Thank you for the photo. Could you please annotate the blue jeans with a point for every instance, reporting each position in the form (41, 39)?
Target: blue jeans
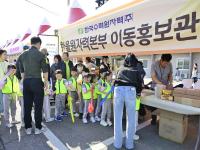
(1, 102)
(127, 95)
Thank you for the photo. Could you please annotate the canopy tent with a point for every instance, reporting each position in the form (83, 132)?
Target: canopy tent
(140, 26)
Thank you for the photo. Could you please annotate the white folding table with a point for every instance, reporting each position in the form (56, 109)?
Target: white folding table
(153, 101)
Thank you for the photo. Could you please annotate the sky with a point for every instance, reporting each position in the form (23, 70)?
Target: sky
(19, 15)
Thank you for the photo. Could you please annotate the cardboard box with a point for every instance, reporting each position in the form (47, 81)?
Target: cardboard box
(187, 101)
(173, 126)
(179, 91)
(187, 96)
(184, 91)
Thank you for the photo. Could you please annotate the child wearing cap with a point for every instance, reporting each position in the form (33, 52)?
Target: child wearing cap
(73, 87)
(87, 95)
(106, 107)
(10, 91)
(60, 92)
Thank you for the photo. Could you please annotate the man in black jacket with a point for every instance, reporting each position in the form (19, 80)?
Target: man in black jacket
(68, 65)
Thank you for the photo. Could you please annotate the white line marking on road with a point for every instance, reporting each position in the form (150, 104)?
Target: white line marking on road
(53, 140)
(104, 144)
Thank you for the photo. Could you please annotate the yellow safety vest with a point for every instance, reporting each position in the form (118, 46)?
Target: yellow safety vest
(67, 69)
(87, 96)
(60, 87)
(138, 103)
(20, 93)
(107, 89)
(74, 83)
(96, 92)
(11, 86)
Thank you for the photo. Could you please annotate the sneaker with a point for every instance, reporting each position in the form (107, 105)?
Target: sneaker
(39, 131)
(9, 125)
(97, 118)
(15, 122)
(103, 123)
(50, 120)
(58, 118)
(136, 137)
(28, 131)
(85, 120)
(76, 115)
(64, 114)
(109, 123)
(92, 120)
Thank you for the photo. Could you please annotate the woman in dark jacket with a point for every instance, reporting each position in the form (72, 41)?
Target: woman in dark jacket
(58, 64)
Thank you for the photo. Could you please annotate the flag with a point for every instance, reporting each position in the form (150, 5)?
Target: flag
(16, 40)
(26, 35)
(44, 26)
(75, 12)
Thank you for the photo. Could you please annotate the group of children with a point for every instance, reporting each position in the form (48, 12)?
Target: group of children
(84, 89)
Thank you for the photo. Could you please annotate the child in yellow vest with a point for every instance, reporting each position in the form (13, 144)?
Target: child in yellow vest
(106, 107)
(73, 91)
(60, 92)
(86, 94)
(10, 91)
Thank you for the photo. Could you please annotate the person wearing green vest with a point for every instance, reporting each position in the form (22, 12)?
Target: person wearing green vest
(87, 95)
(60, 92)
(68, 65)
(73, 91)
(100, 88)
(106, 107)
(10, 91)
(137, 108)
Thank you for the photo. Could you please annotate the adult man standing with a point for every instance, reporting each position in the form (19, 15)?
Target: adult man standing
(68, 65)
(105, 66)
(32, 62)
(161, 73)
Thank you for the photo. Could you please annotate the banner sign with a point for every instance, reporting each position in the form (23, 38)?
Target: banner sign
(145, 26)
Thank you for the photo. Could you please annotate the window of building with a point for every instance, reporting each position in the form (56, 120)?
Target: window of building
(183, 63)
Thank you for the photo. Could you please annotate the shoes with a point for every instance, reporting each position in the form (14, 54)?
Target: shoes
(85, 120)
(76, 115)
(39, 131)
(97, 118)
(103, 123)
(92, 120)
(109, 123)
(64, 114)
(28, 131)
(9, 125)
(136, 137)
(50, 120)
(58, 118)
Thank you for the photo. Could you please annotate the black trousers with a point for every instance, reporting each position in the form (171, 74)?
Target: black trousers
(33, 91)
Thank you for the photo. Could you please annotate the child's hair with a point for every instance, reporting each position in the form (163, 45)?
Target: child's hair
(58, 71)
(11, 66)
(108, 73)
(74, 69)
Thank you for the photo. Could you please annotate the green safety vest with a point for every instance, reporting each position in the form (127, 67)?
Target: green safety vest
(87, 96)
(96, 91)
(138, 103)
(60, 87)
(74, 83)
(107, 89)
(11, 86)
(20, 93)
